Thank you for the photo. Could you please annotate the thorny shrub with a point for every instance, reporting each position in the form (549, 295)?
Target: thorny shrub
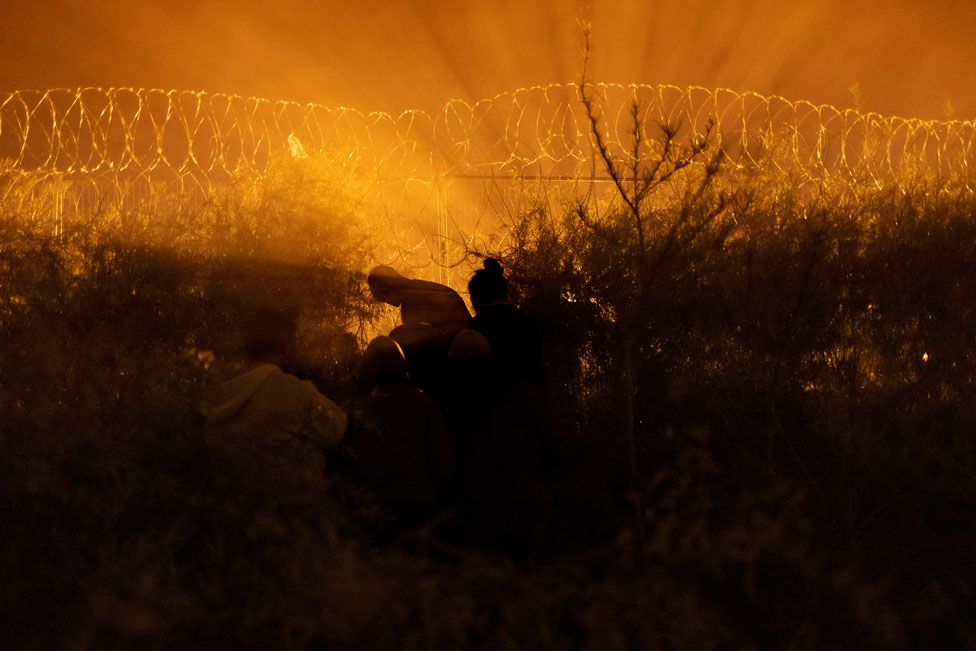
(804, 405)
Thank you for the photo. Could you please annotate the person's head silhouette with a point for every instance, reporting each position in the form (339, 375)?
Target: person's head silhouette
(383, 361)
(488, 285)
(269, 333)
(470, 345)
(384, 283)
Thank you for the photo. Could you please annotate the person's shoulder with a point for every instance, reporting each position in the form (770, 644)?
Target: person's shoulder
(405, 390)
(502, 312)
(520, 316)
(285, 381)
(405, 393)
(429, 286)
(277, 376)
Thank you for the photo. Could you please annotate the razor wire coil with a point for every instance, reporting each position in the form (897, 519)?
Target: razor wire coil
(541, 131)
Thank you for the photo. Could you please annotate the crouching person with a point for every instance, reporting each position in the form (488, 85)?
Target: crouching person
(398, 446)
(270, 428)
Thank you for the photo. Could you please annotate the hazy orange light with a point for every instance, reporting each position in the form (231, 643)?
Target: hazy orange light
(909, 58)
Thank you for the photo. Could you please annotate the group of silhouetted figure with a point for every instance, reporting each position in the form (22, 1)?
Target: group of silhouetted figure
(449, 423)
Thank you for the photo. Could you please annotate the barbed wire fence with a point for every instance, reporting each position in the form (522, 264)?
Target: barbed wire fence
(438, 179)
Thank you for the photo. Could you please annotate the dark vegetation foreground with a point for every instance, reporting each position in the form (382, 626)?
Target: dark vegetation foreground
(801, 378)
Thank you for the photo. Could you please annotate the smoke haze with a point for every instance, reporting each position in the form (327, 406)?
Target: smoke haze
(910, 59)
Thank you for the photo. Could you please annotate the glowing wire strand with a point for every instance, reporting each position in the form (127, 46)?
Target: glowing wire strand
(171, 132)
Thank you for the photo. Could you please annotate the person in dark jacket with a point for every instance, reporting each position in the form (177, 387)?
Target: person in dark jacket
(502, 433)
(398, 446)
(516, 345)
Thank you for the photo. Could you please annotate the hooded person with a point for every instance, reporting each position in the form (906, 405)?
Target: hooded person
(420, 301)
(514, 338)
(398, 446)
(431, 314)
(271, 427)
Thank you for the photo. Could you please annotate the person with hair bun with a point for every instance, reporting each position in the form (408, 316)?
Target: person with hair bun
(513, 335)
(502, 435)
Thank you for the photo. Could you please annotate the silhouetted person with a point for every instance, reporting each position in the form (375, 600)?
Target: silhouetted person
(501, 433)
(271, 427)
(516, 345)
(432, 314)
(420, 301)
(398, 446)
(425, 349)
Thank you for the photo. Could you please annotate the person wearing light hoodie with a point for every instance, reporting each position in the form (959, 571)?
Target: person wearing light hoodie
(269, 426)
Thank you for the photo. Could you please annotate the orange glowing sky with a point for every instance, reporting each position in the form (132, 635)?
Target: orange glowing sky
(908, 58)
